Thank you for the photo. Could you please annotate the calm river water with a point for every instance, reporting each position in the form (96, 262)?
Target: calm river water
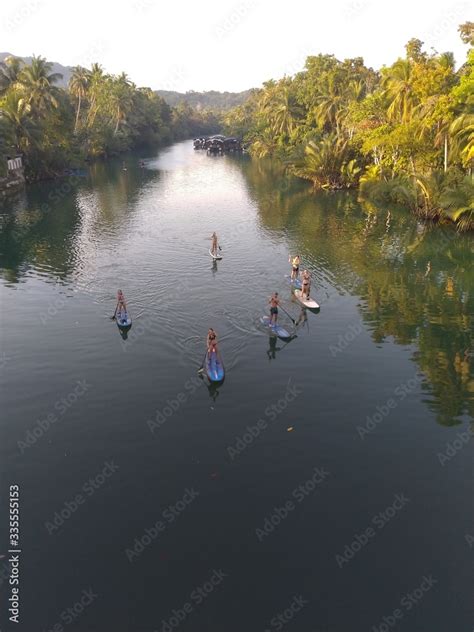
(325, 486)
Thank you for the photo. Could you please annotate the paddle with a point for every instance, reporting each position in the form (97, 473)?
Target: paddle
(292, 319)
(113, 317)
(201, 368)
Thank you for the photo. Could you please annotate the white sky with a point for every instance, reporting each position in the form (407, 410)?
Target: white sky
(224, 44)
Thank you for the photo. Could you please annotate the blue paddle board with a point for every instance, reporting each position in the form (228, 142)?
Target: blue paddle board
(214, 367)
(276, 329)
(123, 319)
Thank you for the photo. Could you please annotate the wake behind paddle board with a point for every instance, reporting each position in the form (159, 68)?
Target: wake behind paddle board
(217, 257)
(214, 367)
(276, 329)
(309, 303)
(123, 320)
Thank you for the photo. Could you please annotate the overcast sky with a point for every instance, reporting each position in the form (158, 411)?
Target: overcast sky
(224, 44)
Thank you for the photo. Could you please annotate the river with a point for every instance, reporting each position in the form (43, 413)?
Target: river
(325, 486)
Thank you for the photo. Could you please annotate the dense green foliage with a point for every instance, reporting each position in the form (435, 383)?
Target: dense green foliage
(404, 133)
(97, 115)
(210, 99)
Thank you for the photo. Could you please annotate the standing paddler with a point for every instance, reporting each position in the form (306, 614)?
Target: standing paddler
(295, 266)
(214, 244)
(274, 303)
(305, 285)
(121, 305)
(211, 341)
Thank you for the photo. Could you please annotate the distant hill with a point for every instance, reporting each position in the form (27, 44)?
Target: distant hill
(66, 71)
(200, 100)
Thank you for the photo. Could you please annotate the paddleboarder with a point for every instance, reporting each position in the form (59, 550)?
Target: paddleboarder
(274, 303)
(214, 243)
(211, 340)
(121, 305)
(295, 266)
(305, 285)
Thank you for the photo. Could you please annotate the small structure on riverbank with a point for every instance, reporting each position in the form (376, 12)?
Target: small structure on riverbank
(13, 177)
(218, 144)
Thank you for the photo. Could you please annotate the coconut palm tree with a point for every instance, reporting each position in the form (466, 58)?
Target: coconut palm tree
(329, 104)
(37, 84)
(10, 70)
(121, 99)
(397, 83)
(17, 124)
(264, 143)
(284, 113)
(462, 132)
(433, 118)
(79, 86)
(97, 80)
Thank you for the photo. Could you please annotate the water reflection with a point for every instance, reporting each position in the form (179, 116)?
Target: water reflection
(414, 280)
(276, 345)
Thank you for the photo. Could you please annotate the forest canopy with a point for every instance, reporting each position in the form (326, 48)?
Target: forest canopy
(96, 115)
(404, 133)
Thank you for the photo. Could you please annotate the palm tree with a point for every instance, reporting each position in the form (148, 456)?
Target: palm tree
(263, 143)
(78, 86)
(458, 204)
(37, 83)
(10, 70)
(397, 82)
(462, 131)
(17, 124)
(121, 99)
(325, 163)
(433, 119)
(96, 83)
(329, 103)
(284, 112)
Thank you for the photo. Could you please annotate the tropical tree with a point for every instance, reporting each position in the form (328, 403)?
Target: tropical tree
(10, 70)
(462, 130)
(284, 112)
(466, 31)
(327, 164)
(79, 85)
(97, 79)
(458, 204)
(398, 86)
(37, 84)
(121, 99)
(17, 123)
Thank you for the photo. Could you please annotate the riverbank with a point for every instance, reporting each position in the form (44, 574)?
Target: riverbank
(12, 184)
(97, 115)
(400, 134)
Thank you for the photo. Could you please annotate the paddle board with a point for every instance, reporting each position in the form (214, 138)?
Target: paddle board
(123, 319)
(214, 367)
(309, 303)
(215, 257)
(276, 329)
